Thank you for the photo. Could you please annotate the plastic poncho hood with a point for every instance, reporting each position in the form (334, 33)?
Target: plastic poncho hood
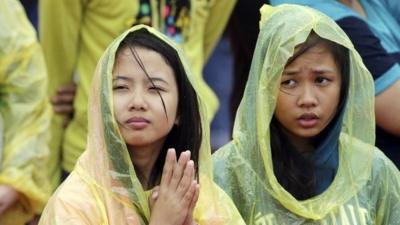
(106, 170)
(244, 168)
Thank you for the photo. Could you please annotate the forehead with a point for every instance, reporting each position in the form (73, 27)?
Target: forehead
(127, 55)
(317, 53)
(153, 62)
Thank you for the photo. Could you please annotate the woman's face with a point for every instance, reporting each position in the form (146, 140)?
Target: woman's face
(309, 93)
(138, 107)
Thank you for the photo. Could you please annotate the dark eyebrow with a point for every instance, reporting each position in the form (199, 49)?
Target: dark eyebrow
(153, 79)
(323, 70)
(158, 79)
(317, 70)
(121, 77)
(290, 72)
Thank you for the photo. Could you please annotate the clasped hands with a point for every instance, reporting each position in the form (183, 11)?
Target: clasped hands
(173, 201)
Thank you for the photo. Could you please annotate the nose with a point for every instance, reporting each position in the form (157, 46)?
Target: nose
(138, 102)
(308, 97)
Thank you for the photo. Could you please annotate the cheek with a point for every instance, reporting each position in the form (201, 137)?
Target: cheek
(283, 104)
(172, 110)
(335, 99)
(118, 104)
(282, 108)
(171, 105)
(331, 102)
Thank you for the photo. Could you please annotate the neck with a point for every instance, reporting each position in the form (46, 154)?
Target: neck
(143, 159)
(303, 145)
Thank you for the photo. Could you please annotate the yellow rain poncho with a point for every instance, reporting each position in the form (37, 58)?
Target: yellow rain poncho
(24, 114)
(103, 188)
(366, 188)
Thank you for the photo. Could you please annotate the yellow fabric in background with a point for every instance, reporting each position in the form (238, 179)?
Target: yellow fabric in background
(103, 188)
(25, 114)
(74, 34)
(366, 189)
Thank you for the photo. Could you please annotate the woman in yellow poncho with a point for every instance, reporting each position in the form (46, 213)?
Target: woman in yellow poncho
(143, 102)
(303, 142)
(24, 118)
(74, 34)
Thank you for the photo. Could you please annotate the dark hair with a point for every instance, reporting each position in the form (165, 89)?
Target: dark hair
(188, 134)
(293, 171)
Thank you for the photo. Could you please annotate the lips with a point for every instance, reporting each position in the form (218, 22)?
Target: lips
(137, 123)
(308, 120)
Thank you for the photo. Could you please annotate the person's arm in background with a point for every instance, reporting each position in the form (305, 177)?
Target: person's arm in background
(59, 25)
(220, 11)
(25, 111)
(385, 99)
(385, 69)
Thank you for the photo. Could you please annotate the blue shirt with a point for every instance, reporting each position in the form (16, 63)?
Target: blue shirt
(376, 38)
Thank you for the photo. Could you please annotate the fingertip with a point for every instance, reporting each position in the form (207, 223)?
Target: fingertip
(154, 195)
(190, 163)
(185, 155)
(171, 154)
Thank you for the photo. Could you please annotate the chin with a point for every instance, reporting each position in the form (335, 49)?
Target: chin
(308, 133)
(137, 141)
(134, 140)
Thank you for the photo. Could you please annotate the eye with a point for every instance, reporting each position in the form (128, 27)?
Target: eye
(322, 81)
(120, 87)
(290, 83)
(156, 88)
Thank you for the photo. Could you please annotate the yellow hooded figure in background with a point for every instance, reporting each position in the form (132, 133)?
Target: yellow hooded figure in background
(111, 183)
(24, 118)
(267, 168)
